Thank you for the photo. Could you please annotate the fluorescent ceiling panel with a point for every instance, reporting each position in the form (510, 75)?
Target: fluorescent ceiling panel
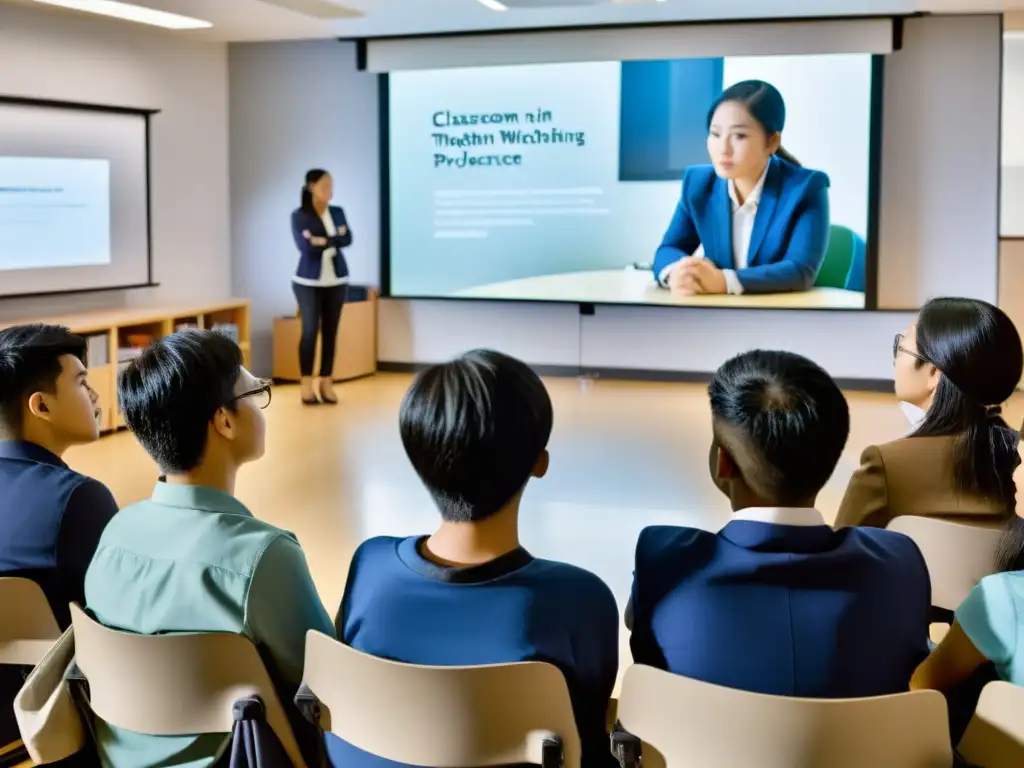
(129, 12)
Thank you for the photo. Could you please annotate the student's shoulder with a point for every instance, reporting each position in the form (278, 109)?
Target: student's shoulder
(659, 542)
(887, 549)
(89, 496)
(571, 589)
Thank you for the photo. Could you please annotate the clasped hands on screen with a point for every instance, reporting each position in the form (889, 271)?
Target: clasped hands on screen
(695, 275)
(321, 242)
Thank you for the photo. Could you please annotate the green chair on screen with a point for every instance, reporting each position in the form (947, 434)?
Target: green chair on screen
(843, 266)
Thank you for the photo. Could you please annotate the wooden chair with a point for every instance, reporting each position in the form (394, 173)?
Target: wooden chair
(174, 684)
(995, 736)
(28, 630)
(683, 722)
(441, 717)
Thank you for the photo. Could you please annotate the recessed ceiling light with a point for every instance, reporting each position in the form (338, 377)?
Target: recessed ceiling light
(494, 5)
(129, 12)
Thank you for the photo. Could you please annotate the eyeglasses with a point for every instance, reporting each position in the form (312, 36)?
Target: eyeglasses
(261, 396)
(897, 347)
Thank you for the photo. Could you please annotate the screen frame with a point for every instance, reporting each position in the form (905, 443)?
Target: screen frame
(876, 102)
(142, 112)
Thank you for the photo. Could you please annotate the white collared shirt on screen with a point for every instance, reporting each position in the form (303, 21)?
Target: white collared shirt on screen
(742, 228)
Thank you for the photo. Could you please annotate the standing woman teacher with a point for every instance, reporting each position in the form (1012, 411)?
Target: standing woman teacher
(754, 221)
(320, 282)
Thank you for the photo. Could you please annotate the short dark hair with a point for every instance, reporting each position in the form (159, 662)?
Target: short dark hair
(30, 362)
(783, 419)
(474, 429)
(170, 393)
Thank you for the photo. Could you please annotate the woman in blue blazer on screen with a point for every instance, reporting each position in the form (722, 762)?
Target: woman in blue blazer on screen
(320, 281)
(754, 221)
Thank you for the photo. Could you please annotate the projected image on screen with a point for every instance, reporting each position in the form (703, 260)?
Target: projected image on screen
(54, 212)
(605, 182)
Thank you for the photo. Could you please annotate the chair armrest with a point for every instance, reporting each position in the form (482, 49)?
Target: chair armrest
(626, 748)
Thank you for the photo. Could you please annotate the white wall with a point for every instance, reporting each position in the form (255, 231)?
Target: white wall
(296, 106)
(1012, 214)
(63, 56)
(938, 212)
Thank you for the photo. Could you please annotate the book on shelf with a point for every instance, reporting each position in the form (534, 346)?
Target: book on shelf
(96, 350)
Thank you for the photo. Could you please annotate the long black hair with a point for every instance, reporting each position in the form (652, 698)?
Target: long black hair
(978, 351)
(764, 103)
(1010, 553)
(312, 177)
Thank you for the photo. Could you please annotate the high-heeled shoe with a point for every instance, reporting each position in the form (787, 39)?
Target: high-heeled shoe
(332, 400)
(311, 400)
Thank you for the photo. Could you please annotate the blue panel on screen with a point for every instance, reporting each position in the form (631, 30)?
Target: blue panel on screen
(663, 117)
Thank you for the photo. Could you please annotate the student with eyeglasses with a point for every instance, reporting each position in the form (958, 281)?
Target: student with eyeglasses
(954, 367)
(193, 558)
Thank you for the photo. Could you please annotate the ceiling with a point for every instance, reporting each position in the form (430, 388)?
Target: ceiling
(250, 20)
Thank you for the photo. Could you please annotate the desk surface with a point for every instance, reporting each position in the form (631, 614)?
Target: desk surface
(624, 286)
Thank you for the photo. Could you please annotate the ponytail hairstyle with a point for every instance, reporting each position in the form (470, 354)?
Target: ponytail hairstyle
(977, 349)
(764, 103)
(312, 177)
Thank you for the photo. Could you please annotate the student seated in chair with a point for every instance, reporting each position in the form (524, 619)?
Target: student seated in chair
(193, 558)
(51, 517)
(476, 430)
(986, 640)
(777, 602)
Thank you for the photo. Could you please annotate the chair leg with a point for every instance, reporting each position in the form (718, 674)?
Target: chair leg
(626, 747)
(551, 754)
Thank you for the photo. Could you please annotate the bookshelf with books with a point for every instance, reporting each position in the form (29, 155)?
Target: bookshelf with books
(114, 337)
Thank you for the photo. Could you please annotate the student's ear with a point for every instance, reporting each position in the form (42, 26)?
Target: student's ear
(774, 143)
(934, 376)
(37, 406)
(224, 423)
(540, 468)
(726, 468)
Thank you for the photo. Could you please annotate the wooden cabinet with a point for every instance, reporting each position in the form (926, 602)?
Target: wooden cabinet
(114, 336)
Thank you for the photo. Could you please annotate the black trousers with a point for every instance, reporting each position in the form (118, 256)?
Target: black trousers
(320, 310)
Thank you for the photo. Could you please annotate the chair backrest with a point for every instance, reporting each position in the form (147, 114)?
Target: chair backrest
(443, 717)
(995, 736)
(684, 722)
(175, 684)
(958, 556)
(838, 255)
(27, 627)
(856, 277)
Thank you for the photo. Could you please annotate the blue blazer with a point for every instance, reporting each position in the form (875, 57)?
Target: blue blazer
(311, 256)
(782, 609)
(791, 227)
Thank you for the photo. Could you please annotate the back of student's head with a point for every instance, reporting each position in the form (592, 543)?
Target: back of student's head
(34, 359)
(475, 430)
(182, 391)
(977, 349)
(782, 420)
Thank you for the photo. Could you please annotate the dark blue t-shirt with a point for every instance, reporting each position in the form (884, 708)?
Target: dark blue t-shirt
(51, 519)
(399, 605)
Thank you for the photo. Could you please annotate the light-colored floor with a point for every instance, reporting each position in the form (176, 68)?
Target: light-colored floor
(623, 455)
